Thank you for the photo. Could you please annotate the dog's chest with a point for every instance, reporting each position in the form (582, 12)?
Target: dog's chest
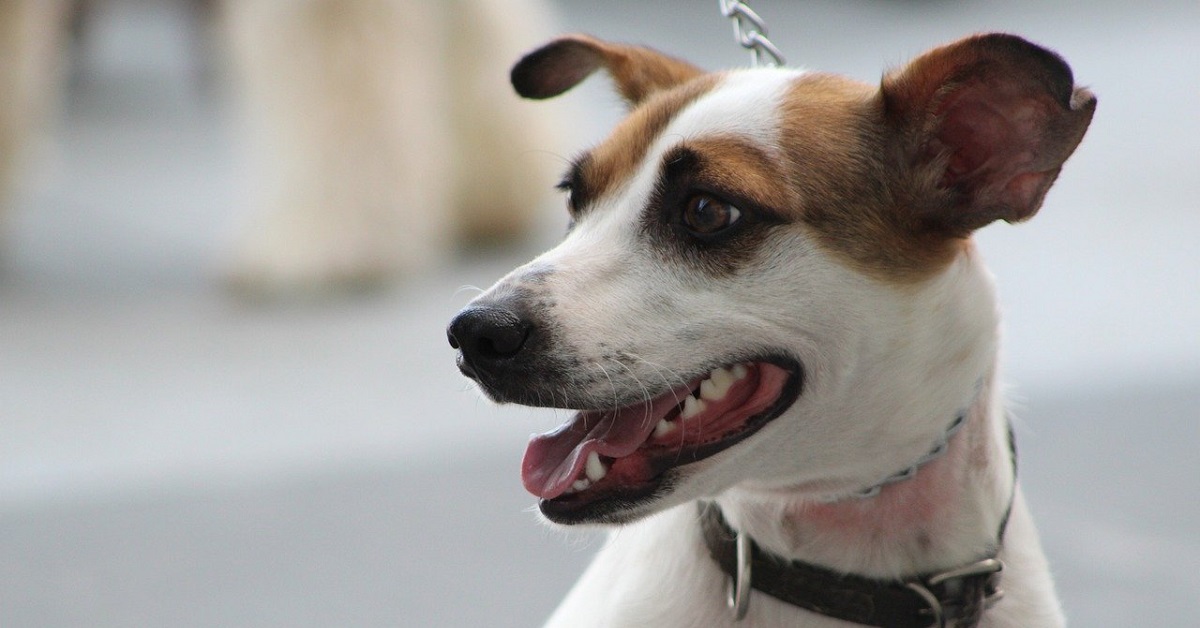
(652, 573)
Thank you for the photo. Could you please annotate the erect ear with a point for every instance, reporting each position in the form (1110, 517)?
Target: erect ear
(984, 126)
(566, 61)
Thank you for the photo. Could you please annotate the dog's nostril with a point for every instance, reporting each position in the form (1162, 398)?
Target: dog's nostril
(504, 341)
(452, 339)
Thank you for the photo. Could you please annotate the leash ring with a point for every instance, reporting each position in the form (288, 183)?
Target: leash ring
(935, 606)
(738, 598)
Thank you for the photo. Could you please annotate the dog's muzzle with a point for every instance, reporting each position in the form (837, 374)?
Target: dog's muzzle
(624, 445)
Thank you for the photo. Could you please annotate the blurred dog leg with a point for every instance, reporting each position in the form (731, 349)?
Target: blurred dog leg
(508, 155)
(350, 128)
(32, 41)
(386, 134)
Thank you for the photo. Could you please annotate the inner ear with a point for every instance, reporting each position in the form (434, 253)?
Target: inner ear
(565, 62)
(991, 139)
(985, 125)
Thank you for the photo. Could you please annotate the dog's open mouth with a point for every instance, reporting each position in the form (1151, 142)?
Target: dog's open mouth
(624, 454)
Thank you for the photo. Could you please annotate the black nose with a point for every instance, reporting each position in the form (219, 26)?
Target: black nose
(487, 336)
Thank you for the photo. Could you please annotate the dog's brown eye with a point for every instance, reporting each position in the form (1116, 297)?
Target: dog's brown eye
(705, 215)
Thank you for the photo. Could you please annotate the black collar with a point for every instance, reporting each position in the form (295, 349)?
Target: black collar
(953, 597)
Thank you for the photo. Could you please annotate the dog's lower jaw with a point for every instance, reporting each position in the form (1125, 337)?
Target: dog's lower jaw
(659, 572)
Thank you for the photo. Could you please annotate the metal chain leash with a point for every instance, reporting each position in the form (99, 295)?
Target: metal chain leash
(751, 33)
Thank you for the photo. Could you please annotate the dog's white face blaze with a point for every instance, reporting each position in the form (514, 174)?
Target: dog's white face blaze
(634, 318)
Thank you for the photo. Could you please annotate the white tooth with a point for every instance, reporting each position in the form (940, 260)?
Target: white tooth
(663, 428)
(691, 407)
(717, 385)
(739, 371)
(708, 390)
(580, 485)
(594, 469)
(722, 377)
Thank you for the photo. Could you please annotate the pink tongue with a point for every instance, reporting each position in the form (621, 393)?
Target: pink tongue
(553, 460)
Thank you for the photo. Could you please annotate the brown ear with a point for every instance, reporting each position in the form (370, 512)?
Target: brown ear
(985, 125)
(566, 61)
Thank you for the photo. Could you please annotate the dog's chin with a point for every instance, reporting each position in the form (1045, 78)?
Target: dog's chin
(615, 506)
(646, 470)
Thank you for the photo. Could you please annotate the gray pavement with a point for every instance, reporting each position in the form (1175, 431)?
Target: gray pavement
(172, 457)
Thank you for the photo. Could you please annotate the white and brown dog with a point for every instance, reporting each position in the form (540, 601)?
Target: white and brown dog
(769, 304)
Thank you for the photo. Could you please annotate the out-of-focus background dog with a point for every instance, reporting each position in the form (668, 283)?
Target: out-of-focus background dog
(381, 135)
(171, 456)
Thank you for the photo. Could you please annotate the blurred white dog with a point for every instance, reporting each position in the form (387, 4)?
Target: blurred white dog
(383, 132)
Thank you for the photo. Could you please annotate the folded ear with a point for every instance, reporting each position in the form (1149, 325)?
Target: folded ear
(566, 61)
(984, 125)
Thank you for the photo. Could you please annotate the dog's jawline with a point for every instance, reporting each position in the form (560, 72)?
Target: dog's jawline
(626, 505)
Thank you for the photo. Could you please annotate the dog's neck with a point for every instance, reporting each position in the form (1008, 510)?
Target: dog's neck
(947, 515)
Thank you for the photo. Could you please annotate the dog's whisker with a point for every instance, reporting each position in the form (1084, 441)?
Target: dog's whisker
(563, 160)
(647, 396)
(674, 386)
(465, 288)
(676, 379)
(611, 383)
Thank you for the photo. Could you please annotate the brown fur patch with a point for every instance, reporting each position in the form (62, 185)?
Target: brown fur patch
(614, 161)
(845, 174)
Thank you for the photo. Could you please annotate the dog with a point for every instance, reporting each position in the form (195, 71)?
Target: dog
(781, 341)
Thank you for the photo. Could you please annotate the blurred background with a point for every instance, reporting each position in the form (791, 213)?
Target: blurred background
(197, 433)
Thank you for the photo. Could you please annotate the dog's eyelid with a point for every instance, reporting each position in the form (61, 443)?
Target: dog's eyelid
(573, 184)
(567, 187)
(677, 163)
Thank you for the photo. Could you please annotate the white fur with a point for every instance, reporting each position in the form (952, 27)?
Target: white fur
(753, 94)
(887, 367)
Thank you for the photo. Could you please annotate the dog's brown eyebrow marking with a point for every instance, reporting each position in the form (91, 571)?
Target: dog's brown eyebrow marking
(737, 168)
(601, 170)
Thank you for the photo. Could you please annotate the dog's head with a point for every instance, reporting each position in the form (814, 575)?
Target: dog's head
(768, 276)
